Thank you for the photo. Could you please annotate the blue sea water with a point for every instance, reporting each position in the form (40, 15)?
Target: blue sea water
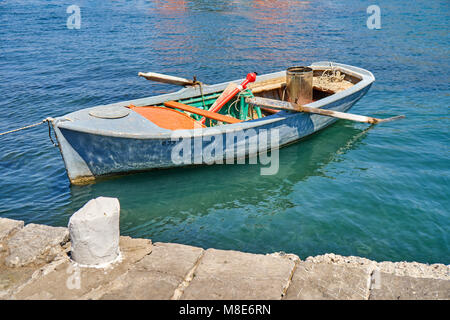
(379, 192)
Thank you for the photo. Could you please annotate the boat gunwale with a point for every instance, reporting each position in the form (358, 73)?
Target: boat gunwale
(365, 76)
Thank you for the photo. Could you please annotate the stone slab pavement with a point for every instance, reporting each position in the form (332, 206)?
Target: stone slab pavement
(9, 226)
(34, 242)
(229, 275)
(66, 280)
(35, 264)
(313, 281)
(157, 276)
(392, 287)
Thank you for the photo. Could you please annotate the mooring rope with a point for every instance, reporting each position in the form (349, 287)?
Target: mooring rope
(29, 126)
(203, 98)
(50, 131)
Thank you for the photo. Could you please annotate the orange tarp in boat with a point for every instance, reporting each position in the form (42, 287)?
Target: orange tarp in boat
(167, 118)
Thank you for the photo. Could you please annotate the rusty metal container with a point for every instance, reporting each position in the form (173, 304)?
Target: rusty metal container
(299, 84)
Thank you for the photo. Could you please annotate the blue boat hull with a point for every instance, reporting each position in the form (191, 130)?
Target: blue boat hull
(91, 153)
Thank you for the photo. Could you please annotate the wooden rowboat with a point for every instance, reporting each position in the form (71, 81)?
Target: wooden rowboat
(142, 134)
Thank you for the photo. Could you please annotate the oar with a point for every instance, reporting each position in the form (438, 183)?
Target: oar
(251, 77)
(164, 78)
(222, 96)
(284, 105)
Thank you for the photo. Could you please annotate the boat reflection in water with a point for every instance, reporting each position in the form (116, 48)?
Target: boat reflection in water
(155, 202)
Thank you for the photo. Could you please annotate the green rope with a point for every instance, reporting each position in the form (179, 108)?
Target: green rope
(248, 94)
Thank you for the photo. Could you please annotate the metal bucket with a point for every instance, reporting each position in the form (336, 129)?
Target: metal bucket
(299, 84)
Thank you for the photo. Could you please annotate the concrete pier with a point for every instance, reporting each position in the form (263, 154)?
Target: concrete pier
(34, 264)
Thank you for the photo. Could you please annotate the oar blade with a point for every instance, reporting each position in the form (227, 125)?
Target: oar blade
(391, 119)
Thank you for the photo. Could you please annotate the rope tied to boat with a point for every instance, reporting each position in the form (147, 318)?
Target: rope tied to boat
(47, 120)
(201, 91)
(28, 126)
(332, 79)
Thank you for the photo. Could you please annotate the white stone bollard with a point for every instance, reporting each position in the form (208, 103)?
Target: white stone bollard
(94, 232)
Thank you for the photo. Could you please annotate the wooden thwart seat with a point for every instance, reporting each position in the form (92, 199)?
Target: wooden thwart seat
(201, 112)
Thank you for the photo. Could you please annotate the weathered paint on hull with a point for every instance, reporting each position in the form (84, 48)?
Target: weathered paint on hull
(93, 147)
(106, 155)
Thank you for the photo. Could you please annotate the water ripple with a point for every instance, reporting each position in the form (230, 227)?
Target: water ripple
(381, 193)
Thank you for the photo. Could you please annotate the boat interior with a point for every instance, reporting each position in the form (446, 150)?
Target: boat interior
(193, 112)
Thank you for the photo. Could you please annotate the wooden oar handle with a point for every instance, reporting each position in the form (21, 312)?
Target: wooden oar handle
(285, 105)
(164, 78)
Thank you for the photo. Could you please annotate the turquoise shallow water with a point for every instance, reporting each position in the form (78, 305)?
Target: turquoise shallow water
(380, 192)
